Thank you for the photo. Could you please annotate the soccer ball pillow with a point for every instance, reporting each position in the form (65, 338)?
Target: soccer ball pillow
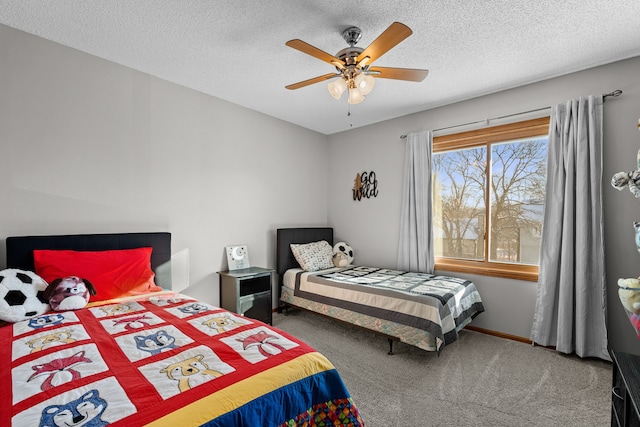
(21, 295)
(342, 254)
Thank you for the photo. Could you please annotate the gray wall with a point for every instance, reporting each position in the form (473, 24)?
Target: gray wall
(371, 226)
(89, 146)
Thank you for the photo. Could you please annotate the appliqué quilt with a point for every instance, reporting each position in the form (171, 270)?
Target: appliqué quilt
(164, 360)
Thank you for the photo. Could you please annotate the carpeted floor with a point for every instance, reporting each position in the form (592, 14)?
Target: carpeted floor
(479, 380)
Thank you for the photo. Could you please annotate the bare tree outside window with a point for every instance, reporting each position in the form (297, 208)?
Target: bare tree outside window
(518, 177)
(515, 195)
(459, 203)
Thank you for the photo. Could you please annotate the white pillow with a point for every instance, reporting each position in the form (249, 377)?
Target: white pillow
(313, 256)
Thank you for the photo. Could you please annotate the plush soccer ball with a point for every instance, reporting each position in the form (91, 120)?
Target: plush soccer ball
(342, 254)
(21, 295)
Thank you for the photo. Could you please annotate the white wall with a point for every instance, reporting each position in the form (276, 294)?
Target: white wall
(89, 146)
(371, 226)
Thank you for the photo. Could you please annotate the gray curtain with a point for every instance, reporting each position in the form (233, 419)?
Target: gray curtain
(415, 250)
(571, 303)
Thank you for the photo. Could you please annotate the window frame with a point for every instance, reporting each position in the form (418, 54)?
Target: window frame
(484, 138)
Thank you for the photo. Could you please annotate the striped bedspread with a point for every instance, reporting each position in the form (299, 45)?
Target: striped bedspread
(436, 304)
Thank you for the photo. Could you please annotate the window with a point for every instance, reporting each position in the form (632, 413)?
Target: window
(488, 220)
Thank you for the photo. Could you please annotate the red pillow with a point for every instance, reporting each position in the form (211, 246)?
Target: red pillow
(114, 273)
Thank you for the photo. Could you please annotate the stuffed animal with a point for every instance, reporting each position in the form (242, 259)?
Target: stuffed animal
(342, 254)
(69, 293)
(632, 179)
(629, 293)
(21, 295)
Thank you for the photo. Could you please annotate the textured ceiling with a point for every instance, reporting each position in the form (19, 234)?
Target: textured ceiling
(235, 50)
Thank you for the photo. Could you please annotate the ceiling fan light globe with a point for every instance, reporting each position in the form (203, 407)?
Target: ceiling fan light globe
(337, 87)
(365, 83)
(355, 96)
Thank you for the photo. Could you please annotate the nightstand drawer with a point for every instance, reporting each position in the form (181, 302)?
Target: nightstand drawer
(254, 285)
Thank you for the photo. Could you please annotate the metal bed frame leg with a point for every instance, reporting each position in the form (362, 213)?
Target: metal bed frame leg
(284, 308)
(390, 346)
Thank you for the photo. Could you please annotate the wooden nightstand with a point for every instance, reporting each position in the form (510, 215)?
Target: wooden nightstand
(247, 292)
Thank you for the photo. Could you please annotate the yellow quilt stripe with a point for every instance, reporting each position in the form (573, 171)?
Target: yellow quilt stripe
(236, 395)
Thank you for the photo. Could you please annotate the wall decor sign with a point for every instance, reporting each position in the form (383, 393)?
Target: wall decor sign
(365, 185)
(238, 257)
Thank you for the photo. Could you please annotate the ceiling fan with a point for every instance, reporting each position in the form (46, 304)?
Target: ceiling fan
(353, 64)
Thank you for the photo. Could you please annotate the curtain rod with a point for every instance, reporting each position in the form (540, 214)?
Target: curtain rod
(615, 93)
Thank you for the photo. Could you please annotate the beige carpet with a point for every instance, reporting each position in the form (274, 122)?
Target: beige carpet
(479, 380)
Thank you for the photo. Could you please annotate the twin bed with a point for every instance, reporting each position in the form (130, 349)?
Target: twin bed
(423, 310)
(157, 358)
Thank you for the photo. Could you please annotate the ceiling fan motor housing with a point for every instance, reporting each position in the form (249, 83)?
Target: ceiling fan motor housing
(349, 55)
(351, 67)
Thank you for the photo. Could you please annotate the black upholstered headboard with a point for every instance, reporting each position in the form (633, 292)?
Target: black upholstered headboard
(285, 236)
(20, 249)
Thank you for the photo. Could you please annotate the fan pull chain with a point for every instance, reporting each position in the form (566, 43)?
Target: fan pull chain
(349, 116)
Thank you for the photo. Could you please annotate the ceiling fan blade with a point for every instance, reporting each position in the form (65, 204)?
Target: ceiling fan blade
(411, 74)
(305, 47)
(312, 81)
(385, 41)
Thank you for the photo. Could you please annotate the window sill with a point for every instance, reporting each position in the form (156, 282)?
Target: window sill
(508, 271)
